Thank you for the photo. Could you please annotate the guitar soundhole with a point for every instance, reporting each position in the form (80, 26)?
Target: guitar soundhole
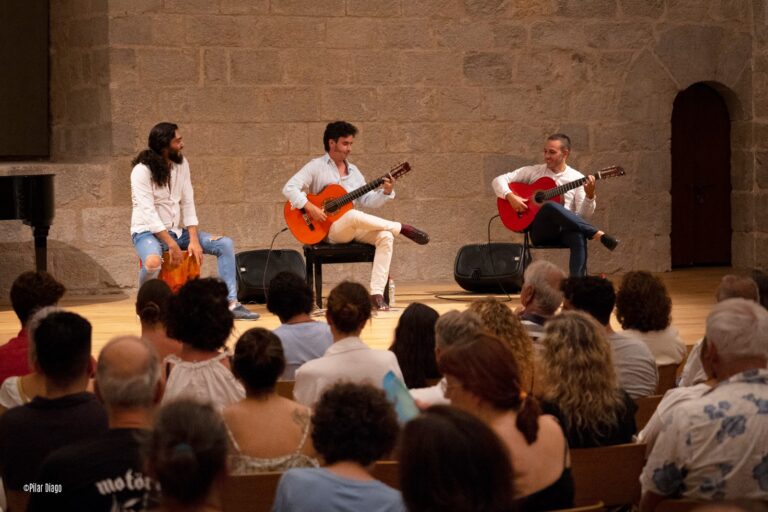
(329, 206)
(539, 196)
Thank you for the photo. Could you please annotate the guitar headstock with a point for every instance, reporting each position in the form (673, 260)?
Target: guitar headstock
(613, 171)
(399, 170)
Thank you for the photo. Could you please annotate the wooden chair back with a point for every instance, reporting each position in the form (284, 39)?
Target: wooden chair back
(388, 472)
(610, 474)
(598, 506)
(667, 378)
(680, 505)
(284, 388)
(250, 493)
(646, 406)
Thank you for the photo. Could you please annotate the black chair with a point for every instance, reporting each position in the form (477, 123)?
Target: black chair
(528, 245)
(324, 253)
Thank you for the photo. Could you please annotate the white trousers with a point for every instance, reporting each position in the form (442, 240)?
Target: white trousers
(369, 229)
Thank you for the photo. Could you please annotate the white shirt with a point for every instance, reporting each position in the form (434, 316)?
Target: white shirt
(575, 200)
(665, 345)
(666, 407)
(635, 366)
(349, 360)
(157, 209)
(432, 395)
(693, 371)
(321, 172)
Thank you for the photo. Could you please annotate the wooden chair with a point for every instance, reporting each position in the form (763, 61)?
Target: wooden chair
(324, 253)
(667, 378)
(646, 406)
(679, 505)
(250, 493)
(284, 388)
(528, 245)
(610, 474)
(597, 506)
(387, 471)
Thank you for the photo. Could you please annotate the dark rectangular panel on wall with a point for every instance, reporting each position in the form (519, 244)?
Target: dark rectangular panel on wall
(24, 130)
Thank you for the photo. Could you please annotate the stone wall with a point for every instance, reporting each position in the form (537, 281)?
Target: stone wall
(462, 89)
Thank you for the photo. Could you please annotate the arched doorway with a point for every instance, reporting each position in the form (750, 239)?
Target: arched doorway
(701, 178)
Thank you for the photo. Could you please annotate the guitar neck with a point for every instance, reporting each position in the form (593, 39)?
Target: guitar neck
(358, 192)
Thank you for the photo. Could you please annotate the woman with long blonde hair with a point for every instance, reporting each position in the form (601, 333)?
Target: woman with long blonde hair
(500, 321)
(582, 390)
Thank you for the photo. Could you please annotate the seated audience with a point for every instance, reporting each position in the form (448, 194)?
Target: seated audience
(186, 453)
(582, 391)
(730, 287)
(282, 424)
(152, 309)
(541, 296)
(714, 447)
(199, 317)
(452, 327)
(644, 308)
(304, 339)
(414, 345)
(482, 378)
(353, 426)
(107, 473)
(67, 414)
(349, 359)
(29, 292)
(450, 460)
(20, 390)
(500, 321)
(635, 365)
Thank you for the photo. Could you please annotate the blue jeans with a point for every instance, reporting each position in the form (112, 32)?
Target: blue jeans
(147, 244)
(555, 224)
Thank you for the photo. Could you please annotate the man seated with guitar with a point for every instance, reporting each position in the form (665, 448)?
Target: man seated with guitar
(550, 222)
(333, 168)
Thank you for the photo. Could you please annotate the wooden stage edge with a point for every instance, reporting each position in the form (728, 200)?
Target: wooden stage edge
(692, 292)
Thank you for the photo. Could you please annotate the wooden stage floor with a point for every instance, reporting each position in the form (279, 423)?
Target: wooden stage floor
(692, 292)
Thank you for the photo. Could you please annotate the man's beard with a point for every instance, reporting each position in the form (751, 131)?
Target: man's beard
(175, 156)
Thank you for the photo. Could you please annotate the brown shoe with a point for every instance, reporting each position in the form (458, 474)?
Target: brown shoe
(378, 302)
(415, 234)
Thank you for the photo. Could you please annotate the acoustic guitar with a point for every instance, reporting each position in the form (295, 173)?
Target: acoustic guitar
(542, 190)
(335, 202)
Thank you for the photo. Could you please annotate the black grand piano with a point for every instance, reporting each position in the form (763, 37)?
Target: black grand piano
(30, 198)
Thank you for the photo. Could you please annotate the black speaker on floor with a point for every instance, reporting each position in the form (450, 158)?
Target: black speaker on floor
(490, 268)
(252, 284)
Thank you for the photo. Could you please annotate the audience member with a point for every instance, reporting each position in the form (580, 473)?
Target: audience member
(414, 345)
(541, 296)
(714, 447)
(108, 473)
(186, 453)
(353, 426)
(635, 365)
(500, 321)
(731, 286)
(152, 309)
(349, 308)
(582, 390)
(282, 424)
(644, 309)
(30, 291)
(303, 339)
(482, 378)
(450, 460)
(19, 390)
(452, 327)
(67, 414)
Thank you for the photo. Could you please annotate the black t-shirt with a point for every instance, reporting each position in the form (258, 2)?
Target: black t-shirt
(102, 475)
(29, 433)
(620, 432)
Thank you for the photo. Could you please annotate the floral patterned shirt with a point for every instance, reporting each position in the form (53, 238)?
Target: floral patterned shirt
(715, 447)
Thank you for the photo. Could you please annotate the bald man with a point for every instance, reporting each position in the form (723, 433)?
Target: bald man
(108, 473)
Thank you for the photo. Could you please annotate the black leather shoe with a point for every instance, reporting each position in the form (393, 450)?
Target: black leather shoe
(609, 242)
(378, 302)
(415, 234)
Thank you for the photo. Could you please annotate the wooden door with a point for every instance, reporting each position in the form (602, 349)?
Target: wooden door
(701, 179)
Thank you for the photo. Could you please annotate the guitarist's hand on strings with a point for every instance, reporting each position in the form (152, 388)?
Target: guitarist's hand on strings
(388, 185)
(518, 203)
(589, 187)
(315, 212)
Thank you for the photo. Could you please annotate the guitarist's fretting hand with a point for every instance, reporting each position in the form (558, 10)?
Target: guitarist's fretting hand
(388, 185)
(518, 203)
(315, 212)
(589, 187)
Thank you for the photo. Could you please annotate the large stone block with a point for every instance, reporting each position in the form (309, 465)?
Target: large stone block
(309, 7)
(761, 169)
(407, 104)
(593, 103)
(432, 67)
(744, 246)
(587, 8)
(644, 8)
(169, 31)
(376, 67)
(125, 7)
(466, 34)
(290, 104)
(157, 65)
(190, 6)
(485, 7)
(123, 66)
(407, 33)
(433, 9)
(354, 33)
(743, 211)
(636, 136)
(742, 170)
(489, 68)
(101, 226)
(518, 103)
(213, 31)
(216, 66)
(218, 180)
(619, 36)
(238, 139)
(761, 211)
(81, 186)
(89, 32)
(264, 177)
(374, 8)
(309, 66)
(689, 10)
(284, 32)
(215, 104)
(255, 67)
(244, 6)
(564, 35)
(506, 35)
(460, 104)
(520, 9)
(349, 103)
(442, 176)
